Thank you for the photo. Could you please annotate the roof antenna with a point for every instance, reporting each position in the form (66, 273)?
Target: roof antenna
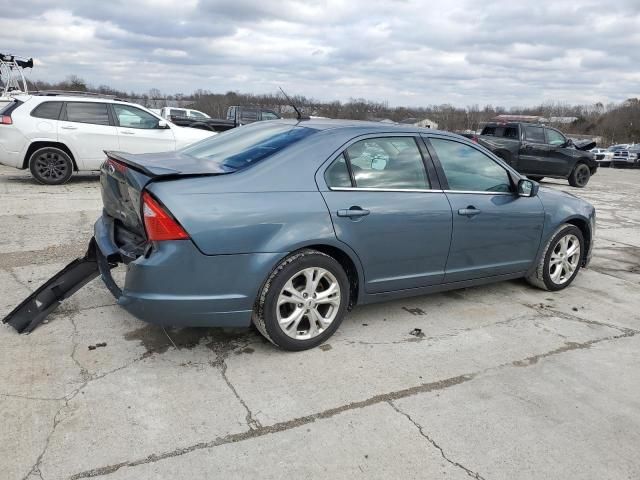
(300, 117)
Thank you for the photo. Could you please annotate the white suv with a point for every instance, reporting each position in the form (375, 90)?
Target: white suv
(53, 135)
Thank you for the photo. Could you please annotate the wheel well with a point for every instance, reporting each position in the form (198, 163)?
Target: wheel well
(349, 267)
(586, 234)
(38, 145)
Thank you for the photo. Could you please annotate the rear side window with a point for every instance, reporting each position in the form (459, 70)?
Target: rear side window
(508, 131)
(534, 134)
(249, 115)
(391, 163)
(269, 116)
(177, 113)
(50, 110)
(94, 113)
(468, 169)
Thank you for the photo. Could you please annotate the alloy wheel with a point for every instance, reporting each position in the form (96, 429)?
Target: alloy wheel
(51, 166)
(565, 259)
(308, 303)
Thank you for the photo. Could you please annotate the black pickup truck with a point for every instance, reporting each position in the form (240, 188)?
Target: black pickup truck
(538, 151)
(236, 116)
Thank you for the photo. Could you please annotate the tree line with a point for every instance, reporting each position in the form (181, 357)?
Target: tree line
(613, 122)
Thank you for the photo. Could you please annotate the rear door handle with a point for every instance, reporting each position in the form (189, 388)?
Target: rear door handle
(68, 127)
(470, 211)
(127, 132)
(353, 212)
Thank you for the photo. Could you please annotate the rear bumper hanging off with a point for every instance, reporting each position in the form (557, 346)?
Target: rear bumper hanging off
(35, 308)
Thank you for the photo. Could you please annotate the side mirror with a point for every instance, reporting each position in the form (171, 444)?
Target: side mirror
(162, 124)
(568, 143)
(527, 188)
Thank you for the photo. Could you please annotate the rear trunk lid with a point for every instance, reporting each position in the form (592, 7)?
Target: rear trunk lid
(124, 176)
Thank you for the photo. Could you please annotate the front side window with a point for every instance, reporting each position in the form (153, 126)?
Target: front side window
(95, 113)
(131, 117)
(555, 138)
(241, 147)
(534, 134)
(387, 163)
(194, 114)
(468, 169)
(49, 110)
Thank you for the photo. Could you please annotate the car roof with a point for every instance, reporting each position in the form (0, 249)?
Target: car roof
(323, 124)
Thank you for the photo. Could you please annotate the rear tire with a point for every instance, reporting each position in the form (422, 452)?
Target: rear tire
(534, 178)
(51, 166)
(303, 301)
(580, 176)
(559, 264)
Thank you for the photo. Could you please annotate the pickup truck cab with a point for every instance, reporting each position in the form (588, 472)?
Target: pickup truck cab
(236, 116)
(538, 151)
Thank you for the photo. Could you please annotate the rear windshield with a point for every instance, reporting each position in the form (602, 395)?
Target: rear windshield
(238, 148)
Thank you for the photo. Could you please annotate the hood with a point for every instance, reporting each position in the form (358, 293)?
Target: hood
(584, 145)
(169, 164)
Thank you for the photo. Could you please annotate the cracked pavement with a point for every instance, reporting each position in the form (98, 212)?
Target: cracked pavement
(504, 381)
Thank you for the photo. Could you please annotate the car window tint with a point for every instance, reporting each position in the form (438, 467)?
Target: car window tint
(131, 117)
(534, 134)
(95, 113)
(177, 113)
(196, 114)
(468, 169)
(269, 116)
(337, 175)
(554, 137)
(249, 115)
(50, 110)
(389, 162)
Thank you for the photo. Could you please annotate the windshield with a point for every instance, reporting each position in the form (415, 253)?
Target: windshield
(238, 148)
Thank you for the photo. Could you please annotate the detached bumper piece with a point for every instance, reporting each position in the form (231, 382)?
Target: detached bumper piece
(35, 308)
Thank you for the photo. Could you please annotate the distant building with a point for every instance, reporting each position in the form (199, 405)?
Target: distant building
(562, 120)
(424, 123)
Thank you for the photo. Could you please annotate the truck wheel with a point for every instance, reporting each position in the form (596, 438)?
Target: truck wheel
(534, 178)
(303, 301)
(580, 176)
(51, 166)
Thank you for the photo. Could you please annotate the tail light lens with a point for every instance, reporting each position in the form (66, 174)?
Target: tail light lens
(6, 120)
(159, 223)
(115, 166)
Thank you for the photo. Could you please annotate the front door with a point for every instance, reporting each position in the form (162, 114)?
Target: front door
(138, 131)
(384, 207)
(559, 158)
(495, 231)
(532, 157)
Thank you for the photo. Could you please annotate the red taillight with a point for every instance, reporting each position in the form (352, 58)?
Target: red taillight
(116, 165)
(158, 223)
(6, 120)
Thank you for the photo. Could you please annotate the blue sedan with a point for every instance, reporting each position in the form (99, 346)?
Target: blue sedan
(290, 224)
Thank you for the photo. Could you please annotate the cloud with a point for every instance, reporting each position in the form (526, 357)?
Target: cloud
(404, 51)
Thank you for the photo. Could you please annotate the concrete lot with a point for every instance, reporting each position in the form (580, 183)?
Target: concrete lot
(507, 382)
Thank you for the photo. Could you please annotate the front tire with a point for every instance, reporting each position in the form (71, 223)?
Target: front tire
(561, 260)
(51, 166)
(580, 176)
(303, 301)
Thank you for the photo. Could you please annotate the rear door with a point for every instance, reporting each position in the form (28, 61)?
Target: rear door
(495, 231)
(387, 208)
(533, 151)
(87, 129)
(139, 131)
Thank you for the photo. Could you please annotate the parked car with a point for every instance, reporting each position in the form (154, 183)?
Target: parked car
(236, 116)
(290, 224)
(55, 135)
(538, 151)
(625, 156)
(603, 156)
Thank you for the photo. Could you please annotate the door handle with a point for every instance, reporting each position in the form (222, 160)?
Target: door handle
(68, 127)
(470, 211)
(353, 212)
(127, 132)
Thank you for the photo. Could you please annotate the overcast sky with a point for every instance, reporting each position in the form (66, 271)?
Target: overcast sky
(462, 52)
